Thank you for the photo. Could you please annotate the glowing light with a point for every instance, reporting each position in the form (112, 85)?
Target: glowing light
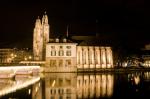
(11, 54)
(25, 58)
(53, 84)
(14, 69)
(30, 57)
(36, 89)
(102, 85)
(29, 91)
(18, 85)
(137, 80)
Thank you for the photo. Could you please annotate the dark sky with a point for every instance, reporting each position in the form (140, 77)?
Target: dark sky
(122, 21)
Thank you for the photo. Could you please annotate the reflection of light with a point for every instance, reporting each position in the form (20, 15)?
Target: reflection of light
(137, 80)
(25, 58)
(12, 55)
(109, 85)
(36, 89)
(53, 83)
(104, 82)
(18, 86)
(102, 85)
(15, 55)
(30, 57)
(29, 91)
(39, 84)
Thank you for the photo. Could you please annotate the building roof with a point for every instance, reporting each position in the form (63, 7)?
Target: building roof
(95, 42)
(61, 39)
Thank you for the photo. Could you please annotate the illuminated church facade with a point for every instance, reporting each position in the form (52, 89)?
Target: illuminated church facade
(40, 38)
(63, 55)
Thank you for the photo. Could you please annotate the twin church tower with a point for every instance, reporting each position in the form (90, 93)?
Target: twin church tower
(40, 37)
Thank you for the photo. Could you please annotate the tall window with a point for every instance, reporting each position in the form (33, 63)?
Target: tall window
(68, 53)
(90, 56)
(61, 53)
(53, 53)
(96, 57)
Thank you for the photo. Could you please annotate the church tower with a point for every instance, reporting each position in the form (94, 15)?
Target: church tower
(40, 38)
(45, 30)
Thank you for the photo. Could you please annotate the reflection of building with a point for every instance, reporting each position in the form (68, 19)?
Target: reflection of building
(147, 76)
(60, 86)
(100, 85)
(146, 55)
(36, 91)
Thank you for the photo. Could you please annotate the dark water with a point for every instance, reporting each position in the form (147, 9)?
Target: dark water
(78, 86)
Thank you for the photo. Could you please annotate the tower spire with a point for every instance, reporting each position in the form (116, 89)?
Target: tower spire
(67, 33)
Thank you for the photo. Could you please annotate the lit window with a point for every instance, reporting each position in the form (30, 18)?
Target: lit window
(53, 53)
(61, 53)
(68, 53)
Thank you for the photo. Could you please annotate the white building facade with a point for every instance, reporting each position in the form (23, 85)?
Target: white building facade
(94, 57)
(61, 57)
(66, 56)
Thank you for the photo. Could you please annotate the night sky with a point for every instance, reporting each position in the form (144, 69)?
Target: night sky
(123, 22)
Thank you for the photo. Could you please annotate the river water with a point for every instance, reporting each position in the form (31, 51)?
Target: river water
(77, 86)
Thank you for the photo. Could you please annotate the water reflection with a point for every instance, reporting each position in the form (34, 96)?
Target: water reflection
(79, 86)
(19, 82)
(60, 86)
(99, 85)
(72, 86)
